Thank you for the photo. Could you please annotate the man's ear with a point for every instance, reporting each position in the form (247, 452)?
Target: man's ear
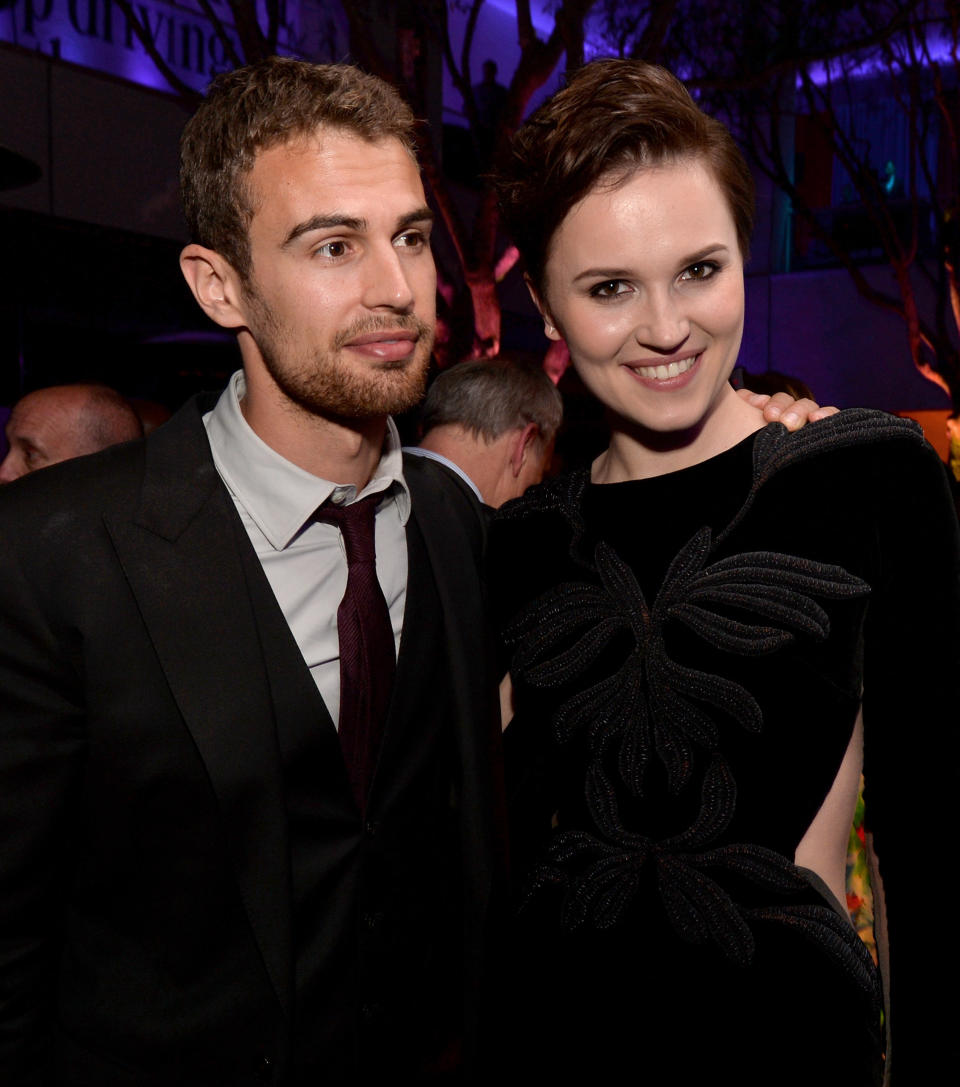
(522, 447)
(550, 330)
(215, 285)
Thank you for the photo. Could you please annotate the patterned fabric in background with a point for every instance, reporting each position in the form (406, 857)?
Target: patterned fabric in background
(859, 895)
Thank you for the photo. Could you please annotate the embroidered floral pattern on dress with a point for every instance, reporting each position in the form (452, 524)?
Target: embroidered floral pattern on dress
(651, 700)
(601, 875)
(650, 705)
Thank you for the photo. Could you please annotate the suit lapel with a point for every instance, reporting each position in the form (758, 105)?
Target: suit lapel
(409, 733)
(454, 542)
(454, 553)
(181, 558)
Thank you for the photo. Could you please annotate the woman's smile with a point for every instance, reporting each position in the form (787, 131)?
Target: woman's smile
(665, 375)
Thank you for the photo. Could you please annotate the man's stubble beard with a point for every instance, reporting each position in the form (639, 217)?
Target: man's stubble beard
(324, 385)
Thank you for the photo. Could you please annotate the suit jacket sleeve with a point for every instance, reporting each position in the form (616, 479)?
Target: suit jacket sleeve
(41, 755)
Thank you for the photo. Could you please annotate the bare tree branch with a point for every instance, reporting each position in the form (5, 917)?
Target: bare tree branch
(273, 26)
(221, 31)
(146, 39)
(651, 41)
(508, 258)
(468, 34)
(526, 35)
(252, 39)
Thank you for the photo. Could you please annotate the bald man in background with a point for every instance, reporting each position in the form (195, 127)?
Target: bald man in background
(63, 422)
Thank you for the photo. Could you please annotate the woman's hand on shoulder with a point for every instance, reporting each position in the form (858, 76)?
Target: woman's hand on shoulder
(782, 408)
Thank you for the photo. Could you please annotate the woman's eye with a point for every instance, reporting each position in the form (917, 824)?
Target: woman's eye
(701, 270)
(332, 249)
(609, 289)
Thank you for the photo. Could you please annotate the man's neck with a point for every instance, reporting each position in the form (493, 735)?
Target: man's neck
(341, 450)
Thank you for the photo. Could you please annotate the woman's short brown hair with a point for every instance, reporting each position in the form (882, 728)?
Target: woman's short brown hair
(613, 117)
(257, 107)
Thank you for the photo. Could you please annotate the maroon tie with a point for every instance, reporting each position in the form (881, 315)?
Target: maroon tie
(367, 656)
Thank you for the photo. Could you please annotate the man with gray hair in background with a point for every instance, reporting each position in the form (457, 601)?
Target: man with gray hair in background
(493, 422)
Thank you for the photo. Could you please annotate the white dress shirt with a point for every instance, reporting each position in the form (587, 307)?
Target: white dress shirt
(304, 560)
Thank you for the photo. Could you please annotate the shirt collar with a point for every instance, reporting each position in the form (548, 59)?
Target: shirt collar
(279, 496)
(419, 451)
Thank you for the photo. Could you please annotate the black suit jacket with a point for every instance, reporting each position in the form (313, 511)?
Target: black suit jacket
(145, 883)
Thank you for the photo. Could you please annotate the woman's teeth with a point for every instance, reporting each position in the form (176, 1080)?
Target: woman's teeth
(673, 369)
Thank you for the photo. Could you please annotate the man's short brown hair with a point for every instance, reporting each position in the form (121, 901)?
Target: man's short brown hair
(614, 117)
(257, 107)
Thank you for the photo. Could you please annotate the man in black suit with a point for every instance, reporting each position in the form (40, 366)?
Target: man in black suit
(194, 888)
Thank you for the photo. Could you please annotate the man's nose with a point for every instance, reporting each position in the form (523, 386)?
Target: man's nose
(11, 468)
(388, 283)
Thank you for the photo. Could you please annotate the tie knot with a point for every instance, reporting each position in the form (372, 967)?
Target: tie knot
(356, 523)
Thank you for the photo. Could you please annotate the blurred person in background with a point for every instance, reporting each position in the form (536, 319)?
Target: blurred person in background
(493, 422)
(62, 422)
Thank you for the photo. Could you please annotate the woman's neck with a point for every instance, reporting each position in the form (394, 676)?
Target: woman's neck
(638, 453)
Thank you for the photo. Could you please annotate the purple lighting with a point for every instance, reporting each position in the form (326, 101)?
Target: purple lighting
(937, 48)
(98, 35)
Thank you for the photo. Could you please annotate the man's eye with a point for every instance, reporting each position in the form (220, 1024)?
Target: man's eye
(609, 288)
(332, 249)
(412, 239)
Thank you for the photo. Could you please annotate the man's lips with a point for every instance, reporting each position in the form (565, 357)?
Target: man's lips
(387, 344)
(383, 336)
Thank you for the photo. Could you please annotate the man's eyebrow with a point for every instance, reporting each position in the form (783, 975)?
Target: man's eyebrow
(349, 222)
(324, 222)
(418, 215)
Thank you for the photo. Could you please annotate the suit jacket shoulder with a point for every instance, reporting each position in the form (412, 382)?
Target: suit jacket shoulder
(156, 477)
(441, 498)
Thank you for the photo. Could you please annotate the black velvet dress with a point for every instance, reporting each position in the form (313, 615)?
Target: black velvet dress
(688, 654)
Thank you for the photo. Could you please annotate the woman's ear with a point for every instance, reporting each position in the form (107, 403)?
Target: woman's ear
(550, 330)
(215, 285)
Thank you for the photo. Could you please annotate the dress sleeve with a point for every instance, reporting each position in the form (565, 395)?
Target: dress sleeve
(40, 766)
(911, 702)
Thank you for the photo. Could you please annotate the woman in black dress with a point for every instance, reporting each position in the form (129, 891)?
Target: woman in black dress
(709, 632)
